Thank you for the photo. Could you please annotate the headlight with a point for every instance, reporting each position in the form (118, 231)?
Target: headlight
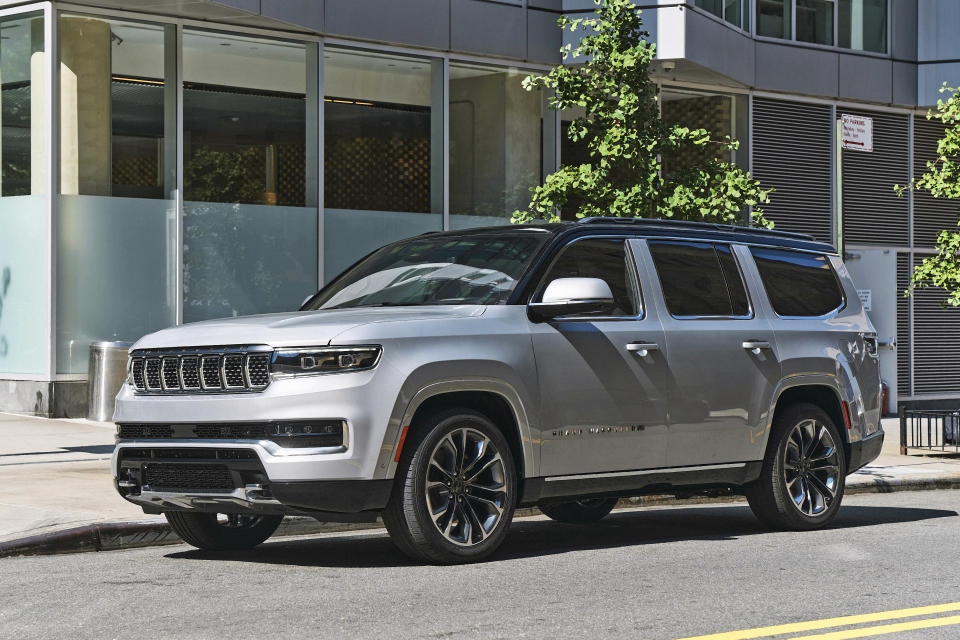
(313, 360)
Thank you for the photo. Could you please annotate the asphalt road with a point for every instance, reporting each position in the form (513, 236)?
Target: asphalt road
(655, 573)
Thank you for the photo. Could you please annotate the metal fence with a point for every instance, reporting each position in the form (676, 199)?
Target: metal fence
(931, 430)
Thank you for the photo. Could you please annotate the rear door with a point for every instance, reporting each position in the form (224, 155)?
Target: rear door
(720, 354)
(603, 395)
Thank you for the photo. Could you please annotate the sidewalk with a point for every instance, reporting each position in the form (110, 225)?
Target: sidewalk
(56, 491)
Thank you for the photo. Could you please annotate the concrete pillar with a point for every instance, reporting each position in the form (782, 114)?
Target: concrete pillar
(85, 124)
(85, 116)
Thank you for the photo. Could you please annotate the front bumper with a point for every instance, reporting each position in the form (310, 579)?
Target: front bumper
(233, 477)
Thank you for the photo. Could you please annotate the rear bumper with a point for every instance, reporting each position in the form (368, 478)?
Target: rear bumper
(865, 451)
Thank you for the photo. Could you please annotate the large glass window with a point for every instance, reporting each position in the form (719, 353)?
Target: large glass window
(250, 218)
(23, 217)
(116, 226)
(496, 149)
(383, 152)
(798, 284)
(815, 21)
(721, 114)
(862, 24)
(774, 18)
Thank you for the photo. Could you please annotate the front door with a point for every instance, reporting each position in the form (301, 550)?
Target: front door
(601, 377)
(720, 354)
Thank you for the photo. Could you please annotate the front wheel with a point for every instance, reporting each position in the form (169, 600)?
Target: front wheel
(587, 510)
(803, 476)
(214, 531)
(455, 491)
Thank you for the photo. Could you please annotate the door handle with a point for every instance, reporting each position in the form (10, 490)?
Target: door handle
(643, 349)
(755, 346)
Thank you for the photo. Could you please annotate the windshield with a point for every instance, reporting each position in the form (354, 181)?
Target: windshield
(468, 269)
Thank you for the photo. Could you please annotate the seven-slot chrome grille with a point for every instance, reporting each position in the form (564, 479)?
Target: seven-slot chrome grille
(199, 370)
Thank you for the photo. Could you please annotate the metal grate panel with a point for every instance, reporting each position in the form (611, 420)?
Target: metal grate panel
(930, 215)
(792, 151)
(152, 374)
(258, 370)
(163, 476)
(170, 372)
(903, 325)
(190, 372)
(872, 211)
(936, 333)
(233, 372)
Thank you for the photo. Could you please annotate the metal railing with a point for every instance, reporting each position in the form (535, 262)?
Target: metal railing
(933, 430)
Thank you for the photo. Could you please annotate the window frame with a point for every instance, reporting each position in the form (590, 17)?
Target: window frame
(633, 273)
(830, 314)
(751, 312)
(836, 33)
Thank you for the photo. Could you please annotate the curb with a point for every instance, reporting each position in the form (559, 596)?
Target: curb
(116, 536)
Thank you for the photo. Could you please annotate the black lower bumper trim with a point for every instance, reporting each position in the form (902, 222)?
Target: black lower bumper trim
(865, 451)
(337, 496)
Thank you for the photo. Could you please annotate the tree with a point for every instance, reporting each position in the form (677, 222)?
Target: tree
(626, 139)
(942, 180)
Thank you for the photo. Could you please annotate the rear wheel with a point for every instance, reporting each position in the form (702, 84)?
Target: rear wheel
(222, 531)
(803, 477)
(455, 490)
(587, 510)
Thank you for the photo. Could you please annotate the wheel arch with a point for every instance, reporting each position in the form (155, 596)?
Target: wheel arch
(822, 393)
(496, 399)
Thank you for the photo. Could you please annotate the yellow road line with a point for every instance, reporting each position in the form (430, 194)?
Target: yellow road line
(826, 623)
(865, 632)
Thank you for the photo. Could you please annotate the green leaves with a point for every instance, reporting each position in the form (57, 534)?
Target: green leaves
(626, 139)
(942, 180)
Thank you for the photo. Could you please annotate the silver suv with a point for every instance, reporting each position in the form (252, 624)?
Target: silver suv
(445, 380)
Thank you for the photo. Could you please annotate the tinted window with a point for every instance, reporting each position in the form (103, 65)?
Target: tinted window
(798, 284)
(731, 274)
(694, 279)
(598, 258)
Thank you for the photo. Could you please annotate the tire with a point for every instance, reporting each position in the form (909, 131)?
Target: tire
(588, 510)
(801, 483)
(471, 510)
(206, 531)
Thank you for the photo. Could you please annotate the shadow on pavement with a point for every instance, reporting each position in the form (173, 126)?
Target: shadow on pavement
(531, 538)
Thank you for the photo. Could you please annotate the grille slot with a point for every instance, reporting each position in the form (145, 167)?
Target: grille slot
(152, 374)
(230, 431)
(258, 370)
(190, 372)
(170, 372)
(233, 372)
(163, 476)
(201, 369)
(138, 379)
(210, 372)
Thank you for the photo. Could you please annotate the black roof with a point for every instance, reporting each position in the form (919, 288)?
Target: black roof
(668, 229)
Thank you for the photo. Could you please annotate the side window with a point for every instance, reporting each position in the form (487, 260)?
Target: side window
(602, 258)
(798, 284)
(734, 280)
(695, 277)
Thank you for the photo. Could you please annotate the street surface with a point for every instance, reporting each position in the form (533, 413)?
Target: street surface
(654, 573)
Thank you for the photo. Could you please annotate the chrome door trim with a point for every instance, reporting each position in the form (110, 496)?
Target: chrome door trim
(646, 472)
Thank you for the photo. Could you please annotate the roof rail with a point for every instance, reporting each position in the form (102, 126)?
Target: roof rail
(696, 225)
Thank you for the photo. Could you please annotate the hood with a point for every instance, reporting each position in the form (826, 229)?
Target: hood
(299, 328)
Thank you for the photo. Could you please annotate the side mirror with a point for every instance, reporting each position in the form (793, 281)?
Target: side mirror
(571, 296)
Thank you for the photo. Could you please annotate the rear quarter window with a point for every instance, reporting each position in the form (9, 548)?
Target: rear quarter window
(798, 284)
